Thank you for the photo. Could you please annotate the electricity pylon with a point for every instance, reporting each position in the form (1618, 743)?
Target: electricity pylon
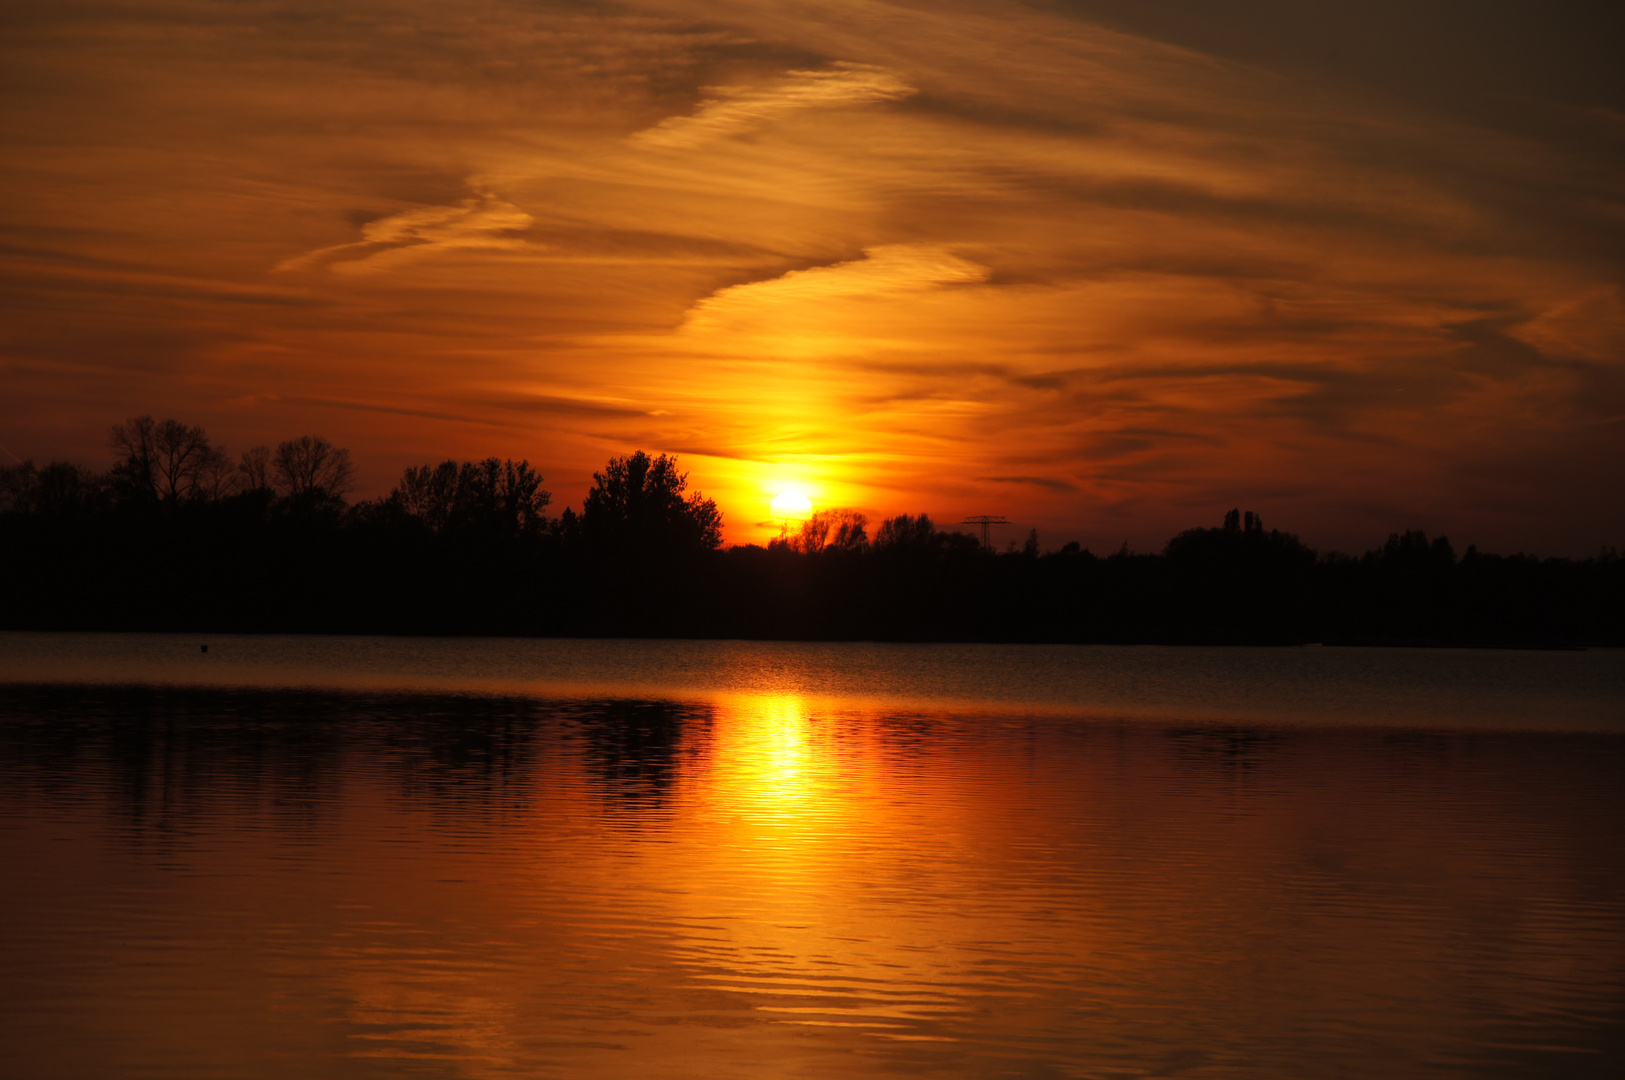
(986, 522)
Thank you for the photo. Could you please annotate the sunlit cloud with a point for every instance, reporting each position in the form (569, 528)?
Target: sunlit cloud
(793, 302)
(741, 110)
(481, 223)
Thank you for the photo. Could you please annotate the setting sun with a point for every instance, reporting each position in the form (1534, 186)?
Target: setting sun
(792, 504)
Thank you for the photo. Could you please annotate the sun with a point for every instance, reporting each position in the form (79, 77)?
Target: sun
(792, 504)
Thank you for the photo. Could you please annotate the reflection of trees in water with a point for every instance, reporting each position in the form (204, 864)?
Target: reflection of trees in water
(1224, 753)
(471, 758)
(632, 750)
(168, 759)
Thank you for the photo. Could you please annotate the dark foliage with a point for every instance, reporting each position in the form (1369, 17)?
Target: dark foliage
(637, 509)
(168, 540)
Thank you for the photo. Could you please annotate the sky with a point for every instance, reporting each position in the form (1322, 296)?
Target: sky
(1105, 268)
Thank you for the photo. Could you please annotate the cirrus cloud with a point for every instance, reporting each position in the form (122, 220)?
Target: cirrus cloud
(481, 223)
(732, 111)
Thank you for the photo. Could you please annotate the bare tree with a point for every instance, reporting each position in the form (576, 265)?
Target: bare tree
(217, 476)
(312, 467)
(429, 493)
(493, 496)
(133, 443)
(255, 466)
(181, 452)
(164, 461)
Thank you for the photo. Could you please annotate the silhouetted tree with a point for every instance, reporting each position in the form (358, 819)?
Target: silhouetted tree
(181, 455)
(1412, 549)
(429, 494)
(1238, 582)
(850, 533)
(568, 529)
(492, 497)
(828, 530)
(217, 476)
(168, 461)
(311, 468)
(133, 450)
(255, 467)
(61, 490)
(903, 532)
(637, 504)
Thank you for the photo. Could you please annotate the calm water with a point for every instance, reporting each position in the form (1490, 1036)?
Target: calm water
(369, 857)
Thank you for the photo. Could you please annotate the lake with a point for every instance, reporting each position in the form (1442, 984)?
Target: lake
(357, 857)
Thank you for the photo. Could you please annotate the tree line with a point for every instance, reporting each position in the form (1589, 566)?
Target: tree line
(177, 535)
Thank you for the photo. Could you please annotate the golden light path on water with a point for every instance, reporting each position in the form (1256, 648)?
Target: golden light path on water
(788, 807)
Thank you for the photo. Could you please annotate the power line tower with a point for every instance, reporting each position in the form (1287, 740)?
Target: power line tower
(986, 522)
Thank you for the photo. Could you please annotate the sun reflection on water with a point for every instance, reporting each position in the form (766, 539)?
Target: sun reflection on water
(803, 929)
(764, 757)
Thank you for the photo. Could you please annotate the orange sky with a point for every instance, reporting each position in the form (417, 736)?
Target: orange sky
(1106, 269)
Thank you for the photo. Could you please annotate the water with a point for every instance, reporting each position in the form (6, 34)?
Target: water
(372, 857)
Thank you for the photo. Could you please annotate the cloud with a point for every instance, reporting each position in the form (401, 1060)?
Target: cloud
(1049, 482)
(786, 303)
(1591, 325)
(481, 223)
(543, 403)
(733, 111)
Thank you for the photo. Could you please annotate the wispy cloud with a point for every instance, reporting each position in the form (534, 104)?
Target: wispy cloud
(480, 223)
(741, 110)
(885, 271)
(1049, 482)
